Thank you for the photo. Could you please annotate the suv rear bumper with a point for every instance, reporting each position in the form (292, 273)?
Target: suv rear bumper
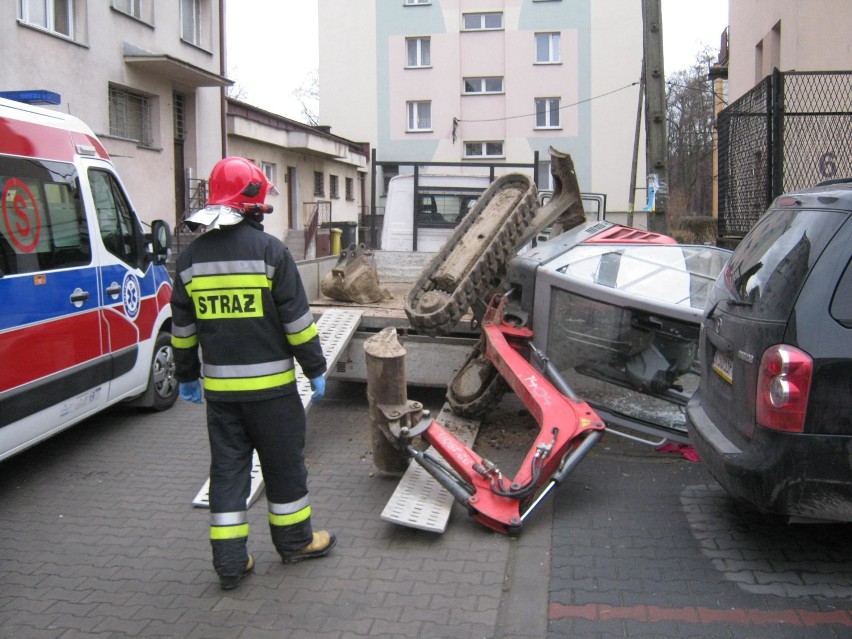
(782, 473)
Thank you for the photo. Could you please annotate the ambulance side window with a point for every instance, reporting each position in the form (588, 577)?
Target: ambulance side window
(118, 227)
(42, 224)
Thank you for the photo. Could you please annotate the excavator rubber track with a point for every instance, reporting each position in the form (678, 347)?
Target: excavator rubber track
(467, 269)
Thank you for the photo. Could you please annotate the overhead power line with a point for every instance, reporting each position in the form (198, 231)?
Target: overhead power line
(567, 106)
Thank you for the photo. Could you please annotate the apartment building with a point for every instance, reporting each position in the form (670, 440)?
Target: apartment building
(488, 81)
(146, 76)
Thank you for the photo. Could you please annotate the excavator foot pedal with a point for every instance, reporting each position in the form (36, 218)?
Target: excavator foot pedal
(419, 501)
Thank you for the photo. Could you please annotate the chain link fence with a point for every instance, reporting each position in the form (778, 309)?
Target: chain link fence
(789, 132)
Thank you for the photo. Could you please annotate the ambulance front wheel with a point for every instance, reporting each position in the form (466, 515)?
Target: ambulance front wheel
(162, 385)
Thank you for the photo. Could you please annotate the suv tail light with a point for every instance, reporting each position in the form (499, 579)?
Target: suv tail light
(783, 385)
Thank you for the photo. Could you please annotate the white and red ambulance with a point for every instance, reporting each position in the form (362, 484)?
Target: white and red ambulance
(84, 291)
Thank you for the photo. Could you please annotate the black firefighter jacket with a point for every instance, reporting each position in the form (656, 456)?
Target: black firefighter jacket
(238, 296)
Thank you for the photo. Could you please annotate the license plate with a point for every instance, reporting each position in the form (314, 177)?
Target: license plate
(723, 365)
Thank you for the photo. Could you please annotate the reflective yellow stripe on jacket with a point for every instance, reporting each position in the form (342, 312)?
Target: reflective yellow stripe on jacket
(248, 377)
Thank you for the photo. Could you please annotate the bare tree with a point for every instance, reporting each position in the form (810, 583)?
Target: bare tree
(308, 96)
(689, 110)
(236, 90)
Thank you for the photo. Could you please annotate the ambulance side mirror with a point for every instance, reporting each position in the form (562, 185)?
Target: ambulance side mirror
(161, 240)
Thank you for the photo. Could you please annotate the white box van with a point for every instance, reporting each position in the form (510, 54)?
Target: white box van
(84, 292)
(444, 201)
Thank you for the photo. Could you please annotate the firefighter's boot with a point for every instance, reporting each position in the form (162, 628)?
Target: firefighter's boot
(229, 582)
(320, 545)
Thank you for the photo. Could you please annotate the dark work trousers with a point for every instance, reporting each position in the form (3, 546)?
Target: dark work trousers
(276, 429)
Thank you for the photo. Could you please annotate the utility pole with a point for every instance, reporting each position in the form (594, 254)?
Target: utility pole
(656, 131)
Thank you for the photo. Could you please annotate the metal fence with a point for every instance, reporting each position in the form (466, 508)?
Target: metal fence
(789, 132)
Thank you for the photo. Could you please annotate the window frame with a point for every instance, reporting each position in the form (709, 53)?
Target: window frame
(133, 8)
(548, 112)
(413, 116)
(334, 187)
(484, 145)
(482, 15)
(319, 184)
(554, 54)
(270, 170)
(200, 12)
(50, 16)
(483, 81)
(349, 189)
(418, 53)
(144, 124)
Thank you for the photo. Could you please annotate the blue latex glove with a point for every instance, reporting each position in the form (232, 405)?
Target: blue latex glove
(318, 386)
(191, 391)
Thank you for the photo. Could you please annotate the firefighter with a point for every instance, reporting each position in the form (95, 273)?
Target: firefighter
(239, 299)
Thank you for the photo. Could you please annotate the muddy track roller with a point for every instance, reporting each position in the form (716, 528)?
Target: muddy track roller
(467, 270)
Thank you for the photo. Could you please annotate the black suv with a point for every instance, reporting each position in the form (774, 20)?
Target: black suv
(772, 417)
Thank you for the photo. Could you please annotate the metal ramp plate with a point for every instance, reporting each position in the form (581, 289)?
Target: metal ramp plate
(419, 501)
(335, 326)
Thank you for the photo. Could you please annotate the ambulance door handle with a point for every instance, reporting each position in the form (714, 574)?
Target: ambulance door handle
(114, 289)
(79, 296)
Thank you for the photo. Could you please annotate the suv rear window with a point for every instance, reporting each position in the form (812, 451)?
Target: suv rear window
(768, 268)
(841, 305)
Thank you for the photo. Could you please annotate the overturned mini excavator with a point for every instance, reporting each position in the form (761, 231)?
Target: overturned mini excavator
(631, 320)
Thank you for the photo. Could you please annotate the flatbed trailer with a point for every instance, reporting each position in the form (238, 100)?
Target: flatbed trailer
(431, 361)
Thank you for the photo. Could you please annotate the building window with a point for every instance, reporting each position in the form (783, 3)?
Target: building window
(350, 189)
(547, 113)
(418, 52)
(419, 116)
(269, 170)
(195, 18)
(130, 7)
(130, 116)
(53, 15)
(492, 149)
(547, 48)
(319, 184)
(474, 86)
(482, 21)
(334, 187)
(179, 115)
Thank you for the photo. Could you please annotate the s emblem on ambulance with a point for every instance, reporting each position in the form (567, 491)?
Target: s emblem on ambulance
(131, 295)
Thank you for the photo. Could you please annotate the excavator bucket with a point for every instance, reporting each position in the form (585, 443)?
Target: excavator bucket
(564, 210)
(353, 278)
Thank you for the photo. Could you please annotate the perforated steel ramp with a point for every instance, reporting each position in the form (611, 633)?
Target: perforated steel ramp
(336, 327)
(419, 501)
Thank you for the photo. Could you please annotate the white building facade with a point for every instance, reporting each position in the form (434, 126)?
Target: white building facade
(320, 177)
(145, 75)
(488, 81)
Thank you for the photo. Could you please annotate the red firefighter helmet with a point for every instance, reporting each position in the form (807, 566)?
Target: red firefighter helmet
(236, 187)
(235, 182)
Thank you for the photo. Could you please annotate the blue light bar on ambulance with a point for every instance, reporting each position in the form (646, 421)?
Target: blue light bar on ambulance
(36, 96)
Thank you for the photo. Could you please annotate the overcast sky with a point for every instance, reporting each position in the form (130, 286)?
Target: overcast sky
(284, 33)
